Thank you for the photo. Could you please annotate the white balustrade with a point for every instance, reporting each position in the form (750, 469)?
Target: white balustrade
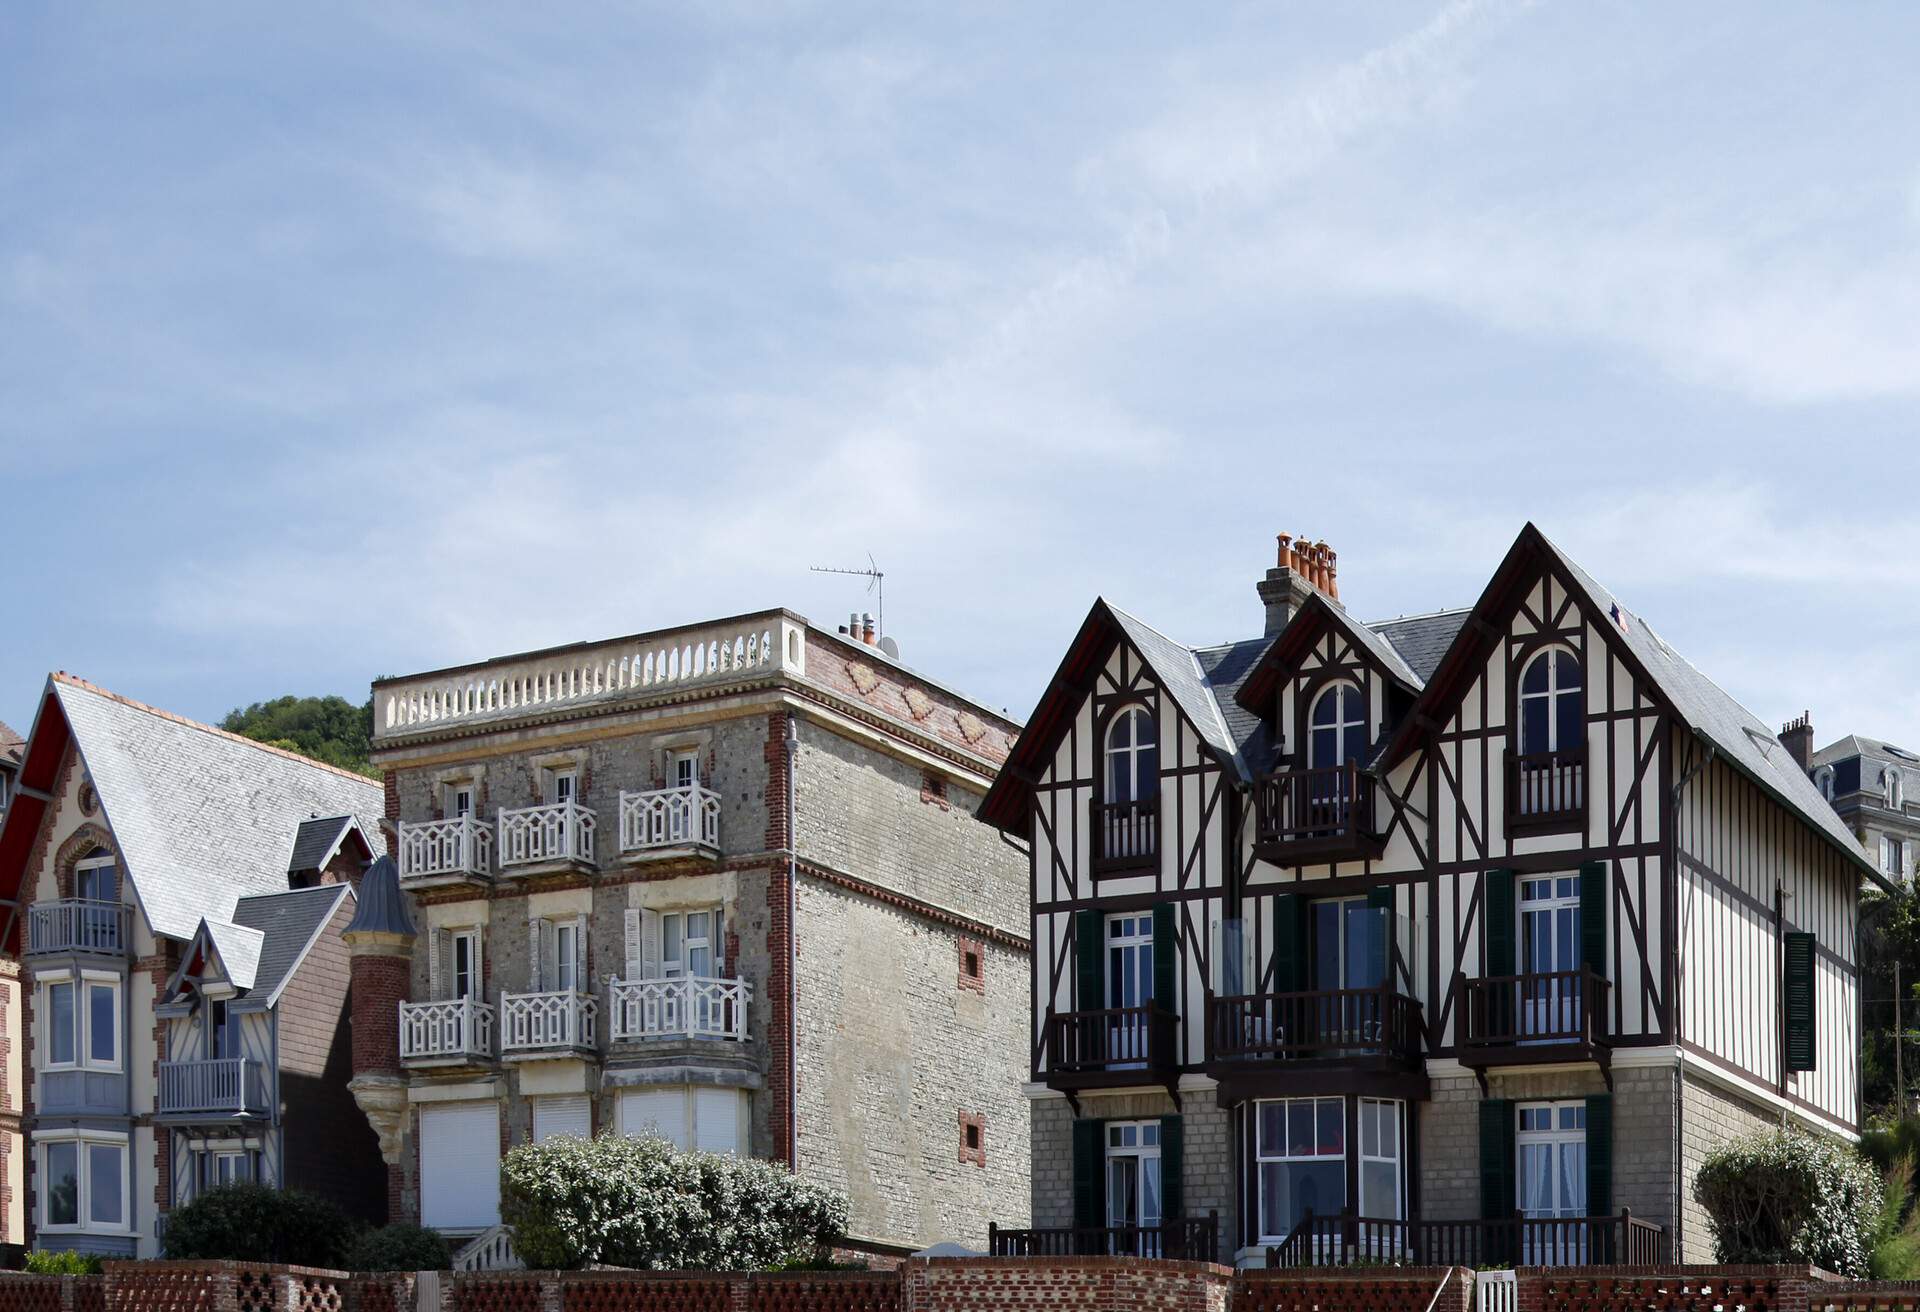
(456, 1028)
(490, 1250)
(460, 846)
(771, 640)
(558, 831)
(691, 1006)
(669, 817)
(531, 1021)
(78, 925)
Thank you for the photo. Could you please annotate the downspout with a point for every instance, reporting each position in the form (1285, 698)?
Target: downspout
(1679, 969)
(793, 954)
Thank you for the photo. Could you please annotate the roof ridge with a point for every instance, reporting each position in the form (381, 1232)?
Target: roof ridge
(1422, 615)
(1152, 628)
(75, 681)
(288, 892)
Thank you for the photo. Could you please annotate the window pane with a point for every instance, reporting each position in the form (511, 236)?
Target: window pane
(1572, 723)
(1273, 1129)
(1566, 670)
(103, 1024)
(60, 1003)
(1535, 678)
(1369, 1130)
(1326, 945)
(1332, 1114)
(1533, 725)
(1289, 1190)
(1366, 947)
(1300, 1129)
(63, 1184)
(104, 1204)
(1150, 1191)
(670, 938)
(1380, 1190)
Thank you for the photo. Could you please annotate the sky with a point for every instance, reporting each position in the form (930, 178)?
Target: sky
(351, 340)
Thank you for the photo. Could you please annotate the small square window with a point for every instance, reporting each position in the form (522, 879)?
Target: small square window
(973, 965)
(973, 1139)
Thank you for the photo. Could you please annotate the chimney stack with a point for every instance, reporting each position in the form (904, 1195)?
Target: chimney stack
(1797, 738)
(1304, 568)
(868, 633)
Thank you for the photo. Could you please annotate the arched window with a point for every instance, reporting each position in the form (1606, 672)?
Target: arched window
(1133, 757)
(1824, 777)
(1552, 714)
(1337, 727)
(1895, 788)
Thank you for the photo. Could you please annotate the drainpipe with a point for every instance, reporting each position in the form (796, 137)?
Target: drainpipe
(1679, 968)
(793, 954)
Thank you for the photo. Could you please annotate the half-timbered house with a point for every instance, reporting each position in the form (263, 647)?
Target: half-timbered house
(1460, 937)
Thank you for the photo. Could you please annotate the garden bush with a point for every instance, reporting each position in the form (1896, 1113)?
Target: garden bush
(399, 1247)
(47, 1262)
(1784, 1196)
(252, 1223)
(637, 1202)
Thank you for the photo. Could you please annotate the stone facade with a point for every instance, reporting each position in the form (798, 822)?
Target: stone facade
(1711, 1114)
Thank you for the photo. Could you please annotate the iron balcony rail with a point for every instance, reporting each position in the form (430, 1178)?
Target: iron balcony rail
(669, 817)
(558, 831)
(1193, 1238)
(1317, 1023)
(691, 1006)
(1118, 1038)
(462, 845)
(1312, 805)
(1350, 1240)
(1125, 835)
(229, 1086)
(534, 1022)
(1547, 786)
(79, 925)
(455, 1029)
(1535, 1010)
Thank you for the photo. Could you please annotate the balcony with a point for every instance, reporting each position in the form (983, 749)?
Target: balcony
(691, 1007)
(1547, 791)
(456, 1032)
(1323, 1041)
(666, 822)
(1349, 1240)
(1520, 1020)
(1192, 1239)
(1324, 813)
(216, 1089)
(436, 852)
(1125, 835)
(79, 925)
(534, 1026)
(537, 839)
(1112, 1048)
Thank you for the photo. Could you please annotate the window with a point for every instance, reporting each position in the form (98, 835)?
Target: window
(1381, 1192)
(1824, 777)
(1895, 788)
(558, 1114)
(687, 942)
(973, 965)
(686, 770)
(62, 1025)
(1129, 984)
(459, 800)
(1300, 1147)
(973, 1140)
(566, 956)
(706, 1118)
(82, 1025)
(1133, 757)
(1347, 940)
(1338, 727)
(84, 1182)
(213, 1167)
(1552, 715)
(562, 785)
(221, 1030)
(1550, 948)
(1551, 1159)
(1892, 855)
(97, 879)
(466, 964)
(1133, 1177)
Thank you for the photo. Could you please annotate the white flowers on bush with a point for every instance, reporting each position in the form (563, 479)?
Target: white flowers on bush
(630, 1201)
(1784, 1196)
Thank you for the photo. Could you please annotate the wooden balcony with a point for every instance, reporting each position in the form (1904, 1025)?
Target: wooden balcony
(216, 1089)
(1547, 791)
(1192, 1239)
(75, 924)
(1520, 1020)
(1124, 835)
(452, 1032)
(538, 839)
(1322, 1041)
(1115, 1047)
(1324, 813)
(454, 851)
(1350, 1240)
(664, 822)
(546, 1025)
(690, 1007)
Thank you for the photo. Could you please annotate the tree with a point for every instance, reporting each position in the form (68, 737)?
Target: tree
(1787, 1196)
(637, 1202)
(329, 729)
(1889, 933)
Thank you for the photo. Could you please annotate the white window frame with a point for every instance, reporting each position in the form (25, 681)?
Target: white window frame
(566, 955)
(469, 936)
(1554, 1137)
(1141, 787)
(676, 967)
(457, 789)
(687, 777)
(1368, 1206)
(563, 779)
(98, 861)
(82, 982)
(1824, 778)
(85, 1141)
(1144, 1148)
(1262, 1157)
(1546, 699)
(1895, 788)
(1349, 736)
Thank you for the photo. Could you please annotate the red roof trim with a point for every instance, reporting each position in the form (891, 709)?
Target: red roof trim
(46, 748)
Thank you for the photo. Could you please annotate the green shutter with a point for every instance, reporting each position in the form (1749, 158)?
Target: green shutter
(1089, 1151)
(1497, 1196)
(1381, 898)
(1593, 916)
(1600, 1155)
(1173, 1196)
(1166, 958)
(1088, 931)
(1797, 995)
(1497, 922)
(1289, 943)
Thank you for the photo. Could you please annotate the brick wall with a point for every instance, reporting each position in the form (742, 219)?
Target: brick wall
(1710, 1115)
(1096, 1284)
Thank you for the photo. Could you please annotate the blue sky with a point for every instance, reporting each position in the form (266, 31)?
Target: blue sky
(346, 340)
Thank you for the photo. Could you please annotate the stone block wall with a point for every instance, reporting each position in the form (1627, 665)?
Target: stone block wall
(1710, 1115)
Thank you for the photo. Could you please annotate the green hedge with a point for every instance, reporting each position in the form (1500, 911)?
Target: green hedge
(1785, 1196)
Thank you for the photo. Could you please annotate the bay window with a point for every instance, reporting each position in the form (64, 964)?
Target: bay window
(82, 1021)
(83, 1181)
(1300, 1150)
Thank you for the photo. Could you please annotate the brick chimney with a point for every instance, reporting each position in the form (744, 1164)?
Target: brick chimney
(1304, 568)
(1797, 738)
(380, 941)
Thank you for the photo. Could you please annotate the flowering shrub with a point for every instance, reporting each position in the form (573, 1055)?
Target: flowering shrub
(637, 1202)
(1783, 1196)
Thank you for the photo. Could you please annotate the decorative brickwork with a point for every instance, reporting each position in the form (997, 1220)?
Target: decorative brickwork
(81, 843)
(973, 1140)
(933, 789)
(1669, 1289)
(973, 964)
(1096, 1284)
(1402, 1289)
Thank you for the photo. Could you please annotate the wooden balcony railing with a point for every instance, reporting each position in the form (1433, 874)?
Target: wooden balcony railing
(1116, 1039)
(538, 1022)
(1521, 1018)
(452, 1030)
(1193, 1239)
(221, 1086)
(1322, 1023)
(441, 849)
(1547, 787)
(669, 817)
(79, 925)
(558, 831)
(691, 1007)
(1349, 1240)
(1322, 805)
(1125, 835)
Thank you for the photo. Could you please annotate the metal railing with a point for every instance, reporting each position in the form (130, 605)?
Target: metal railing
(669, 817)
(1324, 802)
(558, 831)
(533, 1022)
(1117, 1038)
(1517, 1240)
(1193, 1238)
(691, 1006)
(1125, 835)
(462, 845)
(79, 925)
(233, 1086)
(459, 1028)
(1318, 1023)
(1545, 786)
(1542, 1009)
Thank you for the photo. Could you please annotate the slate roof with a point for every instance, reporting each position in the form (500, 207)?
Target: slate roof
(316, 840)
(381, 908)
(1179, 672)
(1421, 640)
(290, 924)
(202, 817)
(1870, 749)
(239, 948)
(12, 745)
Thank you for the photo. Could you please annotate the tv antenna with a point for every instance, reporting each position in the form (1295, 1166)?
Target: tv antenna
(876, 586)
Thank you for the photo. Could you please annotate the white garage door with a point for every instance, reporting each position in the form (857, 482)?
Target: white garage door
(562, 1115)
(460, 1165)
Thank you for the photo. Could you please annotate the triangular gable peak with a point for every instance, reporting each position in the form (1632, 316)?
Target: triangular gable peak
(1322, 647)
(220, 961)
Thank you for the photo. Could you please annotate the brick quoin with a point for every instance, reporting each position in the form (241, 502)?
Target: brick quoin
(780, 947)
